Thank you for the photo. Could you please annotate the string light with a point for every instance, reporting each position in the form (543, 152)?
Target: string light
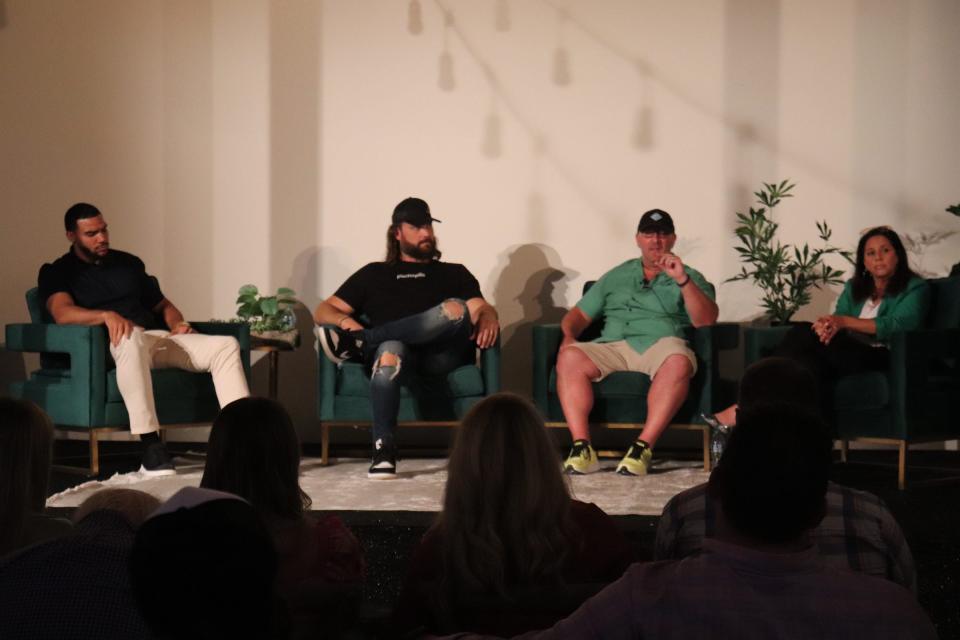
(414, 17)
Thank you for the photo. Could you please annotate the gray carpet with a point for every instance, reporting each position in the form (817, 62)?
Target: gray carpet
(343, 485)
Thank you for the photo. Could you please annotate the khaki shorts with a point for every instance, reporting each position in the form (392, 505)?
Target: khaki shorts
(611, 357)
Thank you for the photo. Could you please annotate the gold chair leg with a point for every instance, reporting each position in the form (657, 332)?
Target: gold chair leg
(706, 449)
(94, 453)
(902, 467)
(324, 444)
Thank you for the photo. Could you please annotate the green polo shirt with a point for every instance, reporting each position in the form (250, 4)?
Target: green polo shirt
(638, 312)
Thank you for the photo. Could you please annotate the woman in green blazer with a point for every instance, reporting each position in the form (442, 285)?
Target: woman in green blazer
(883, 297)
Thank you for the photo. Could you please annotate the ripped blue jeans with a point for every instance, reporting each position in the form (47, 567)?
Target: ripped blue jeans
(430, 343)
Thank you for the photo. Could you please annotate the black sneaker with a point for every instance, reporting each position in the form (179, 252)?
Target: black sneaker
(339, 345)
(384, 463)
(156, 461)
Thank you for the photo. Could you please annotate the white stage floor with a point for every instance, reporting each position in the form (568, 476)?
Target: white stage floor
(343, 485)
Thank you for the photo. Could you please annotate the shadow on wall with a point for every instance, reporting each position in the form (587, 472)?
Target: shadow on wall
(531, 279)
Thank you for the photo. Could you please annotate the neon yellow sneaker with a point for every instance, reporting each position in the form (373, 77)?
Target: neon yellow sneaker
(637, 460)
(582, 459)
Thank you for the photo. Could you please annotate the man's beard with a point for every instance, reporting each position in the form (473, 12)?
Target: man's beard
(92, 256)
(426, 250)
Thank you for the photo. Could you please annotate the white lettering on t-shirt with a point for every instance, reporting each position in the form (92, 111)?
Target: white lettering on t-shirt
(421, 274)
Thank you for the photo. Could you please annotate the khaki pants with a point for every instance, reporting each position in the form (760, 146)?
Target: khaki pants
(619, 356)
(145, 350)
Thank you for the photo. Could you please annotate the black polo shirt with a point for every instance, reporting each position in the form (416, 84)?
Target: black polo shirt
(384, 291)
(119, 282)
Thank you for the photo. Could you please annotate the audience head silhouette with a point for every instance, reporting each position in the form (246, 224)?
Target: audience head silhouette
(780, 381)
(203, 566)
(506, 509)
(26, 436)
(772, 479)
(254, 453)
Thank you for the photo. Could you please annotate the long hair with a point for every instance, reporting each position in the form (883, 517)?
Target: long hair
(26, 439)
(254, 453)
(393, 246)
(862, 286)
(506, 508)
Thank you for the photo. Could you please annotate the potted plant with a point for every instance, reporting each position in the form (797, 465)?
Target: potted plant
(271, 318)
(784, 273)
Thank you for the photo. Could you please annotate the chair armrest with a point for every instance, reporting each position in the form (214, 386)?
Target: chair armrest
(546, 343)
(326, 384)
(708, 340)
(87, 348)
(759, 342)
(912, 354)
(490, 368)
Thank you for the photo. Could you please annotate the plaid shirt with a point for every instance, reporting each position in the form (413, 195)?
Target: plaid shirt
(858, 533)
(730, 591)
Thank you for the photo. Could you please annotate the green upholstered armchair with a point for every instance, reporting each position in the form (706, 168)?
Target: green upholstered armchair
(343, 397)
(912, 401)
(620, 399)
(76, 383)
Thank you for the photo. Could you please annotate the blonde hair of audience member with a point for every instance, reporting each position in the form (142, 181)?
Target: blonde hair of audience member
(26, 440)
(506, 509)
(135, 506)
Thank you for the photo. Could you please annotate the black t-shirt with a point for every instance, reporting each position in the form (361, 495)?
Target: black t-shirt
(119, 282)
(384, 292)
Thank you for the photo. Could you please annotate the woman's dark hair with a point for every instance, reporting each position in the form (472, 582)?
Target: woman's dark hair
(506, 508)
(254, 453)
(862, 285)
(26, 439)
(393, 246)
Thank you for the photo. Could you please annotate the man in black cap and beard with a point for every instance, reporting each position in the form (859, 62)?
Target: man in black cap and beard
(647, 303)
(424, 315)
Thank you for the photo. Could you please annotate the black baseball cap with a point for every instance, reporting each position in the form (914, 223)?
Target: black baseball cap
(413, 211)
(655, 220)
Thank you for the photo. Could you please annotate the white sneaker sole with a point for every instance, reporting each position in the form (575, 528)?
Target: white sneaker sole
(327, 347)
(382, 475)
(156, 473)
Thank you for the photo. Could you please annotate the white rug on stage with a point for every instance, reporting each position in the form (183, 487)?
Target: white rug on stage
(343, 485)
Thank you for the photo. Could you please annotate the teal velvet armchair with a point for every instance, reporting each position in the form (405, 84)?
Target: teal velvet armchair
(620, 400)
(343, 395)
(914, 400)
(76, 382)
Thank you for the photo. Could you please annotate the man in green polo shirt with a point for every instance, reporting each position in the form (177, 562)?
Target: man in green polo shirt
(646, 304)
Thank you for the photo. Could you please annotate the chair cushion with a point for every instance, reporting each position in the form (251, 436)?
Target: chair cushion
(862, 391)
(945, 307)
(622, 383)
(462, 382)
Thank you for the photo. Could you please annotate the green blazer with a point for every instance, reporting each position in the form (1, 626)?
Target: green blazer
(903, 312)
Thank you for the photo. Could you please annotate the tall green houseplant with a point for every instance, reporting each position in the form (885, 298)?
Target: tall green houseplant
(784, 273)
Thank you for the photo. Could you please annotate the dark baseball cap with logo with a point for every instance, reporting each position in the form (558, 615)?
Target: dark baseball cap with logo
(655, 221)
(413, 211)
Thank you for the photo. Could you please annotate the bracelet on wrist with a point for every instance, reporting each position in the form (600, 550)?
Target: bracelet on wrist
(684, 283)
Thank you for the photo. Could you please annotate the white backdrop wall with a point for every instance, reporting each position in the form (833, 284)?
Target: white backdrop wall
(236, 141)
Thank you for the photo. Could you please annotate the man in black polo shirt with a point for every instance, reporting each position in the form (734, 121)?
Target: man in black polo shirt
(424, 315)
(93, 284)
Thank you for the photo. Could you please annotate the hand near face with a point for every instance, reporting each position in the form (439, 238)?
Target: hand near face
(672, 265)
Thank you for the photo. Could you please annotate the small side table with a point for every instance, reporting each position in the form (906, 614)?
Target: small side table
(272, 348)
